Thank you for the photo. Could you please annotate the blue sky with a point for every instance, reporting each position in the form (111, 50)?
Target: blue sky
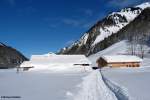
(41, 26)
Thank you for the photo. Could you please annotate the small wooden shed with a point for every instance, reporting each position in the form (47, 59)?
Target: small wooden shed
(119, 61)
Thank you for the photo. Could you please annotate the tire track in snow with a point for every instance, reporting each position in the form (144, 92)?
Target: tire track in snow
(120, 92)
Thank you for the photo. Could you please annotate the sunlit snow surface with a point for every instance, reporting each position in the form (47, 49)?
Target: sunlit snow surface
(77, 83)
(135, 80)
(40, 85)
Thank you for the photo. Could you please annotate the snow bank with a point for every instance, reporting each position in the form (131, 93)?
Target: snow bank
(93, 88)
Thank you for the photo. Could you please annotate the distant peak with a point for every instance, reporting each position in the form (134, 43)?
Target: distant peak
(144, 5)
(49, 54)
(2, 44)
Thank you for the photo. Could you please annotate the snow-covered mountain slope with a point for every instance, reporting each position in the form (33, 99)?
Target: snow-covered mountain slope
(122, 48)
(121, 19)
(117, 48)
(93, 40)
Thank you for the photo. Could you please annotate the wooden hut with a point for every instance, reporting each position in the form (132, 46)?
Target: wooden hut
(119, 61)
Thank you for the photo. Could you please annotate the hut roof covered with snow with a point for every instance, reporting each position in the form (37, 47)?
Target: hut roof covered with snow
(58, 62)
(119, 61)
(121, 58)
(60, 59)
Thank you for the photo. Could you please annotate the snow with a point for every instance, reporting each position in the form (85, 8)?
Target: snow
(107, 31)
(120, 92)
(121, 58)
(26, 64)
(75, 83)
(135, 80)
(93, 88)
(60, 59)
(57, 62)
(84, 39)
(144, 5)
(146, 62)
(50, 54)
(80, 42)
(127, 13)
(117, 48)
(40, 85)
(120, 48)
(57, 79)
(126, 83)
(111, 29)
(47, 85)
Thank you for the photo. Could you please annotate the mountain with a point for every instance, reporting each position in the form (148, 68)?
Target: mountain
(10, 57)
(115, 27)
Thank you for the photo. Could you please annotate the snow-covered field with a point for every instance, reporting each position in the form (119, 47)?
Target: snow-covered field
(79, 83)
(40, 85)
(135, 80)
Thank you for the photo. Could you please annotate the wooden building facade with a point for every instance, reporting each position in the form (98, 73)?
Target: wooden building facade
(119, 61)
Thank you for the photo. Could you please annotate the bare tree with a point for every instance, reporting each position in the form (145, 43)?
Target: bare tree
(132, 44)
(137, 44)
(142, 44)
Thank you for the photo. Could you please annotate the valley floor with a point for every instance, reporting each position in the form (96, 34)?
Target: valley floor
(39, 85)
(135, 81)
(77, 84)
(112, 84)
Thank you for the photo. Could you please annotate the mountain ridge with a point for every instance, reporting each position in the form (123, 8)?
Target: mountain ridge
(10, 57)
(107, 27)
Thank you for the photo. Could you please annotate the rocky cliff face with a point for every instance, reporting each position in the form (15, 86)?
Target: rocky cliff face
(10, 57)
(113, 28)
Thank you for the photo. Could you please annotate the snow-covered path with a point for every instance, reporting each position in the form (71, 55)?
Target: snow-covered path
(94, 88)
(46, 85)
(120, 92)
(135, 80)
